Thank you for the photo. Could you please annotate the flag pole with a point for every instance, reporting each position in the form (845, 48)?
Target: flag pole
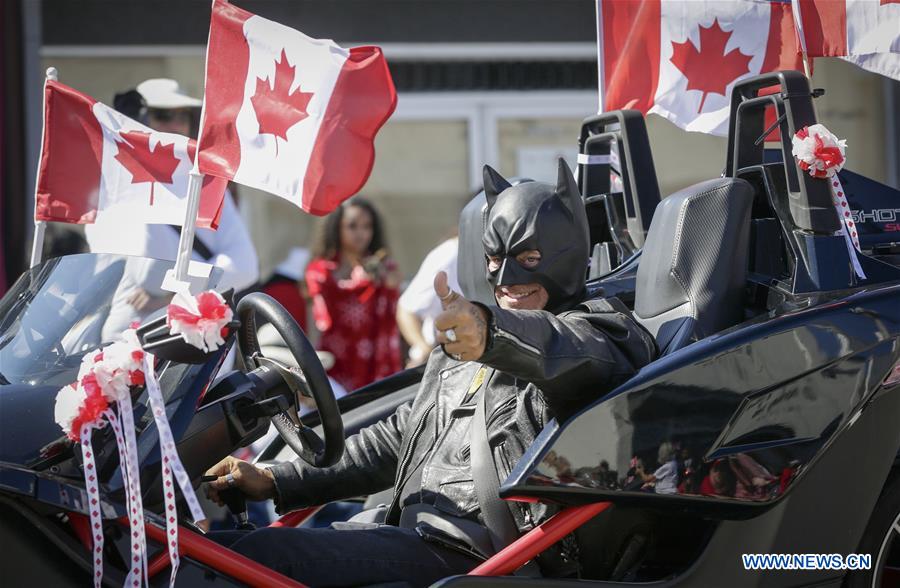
(186, 241)
(798, 24)
(601, 73)
(40, 227)
(188, 228)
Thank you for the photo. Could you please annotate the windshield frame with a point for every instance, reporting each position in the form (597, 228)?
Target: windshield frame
(65, 307)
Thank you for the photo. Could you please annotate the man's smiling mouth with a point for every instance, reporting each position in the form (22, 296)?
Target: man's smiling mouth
(518, 295)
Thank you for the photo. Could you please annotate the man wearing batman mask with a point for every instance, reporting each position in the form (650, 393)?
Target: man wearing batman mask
(500, 375)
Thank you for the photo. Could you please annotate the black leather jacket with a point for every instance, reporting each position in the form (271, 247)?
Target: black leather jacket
(540, 366)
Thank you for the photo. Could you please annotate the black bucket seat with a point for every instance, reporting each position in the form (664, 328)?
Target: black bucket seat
(693, 266)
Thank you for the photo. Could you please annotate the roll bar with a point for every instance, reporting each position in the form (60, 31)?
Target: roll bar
(810, 203)
(618, 218)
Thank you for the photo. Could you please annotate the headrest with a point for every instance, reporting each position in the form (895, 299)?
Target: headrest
(694, 263)
(470, 263)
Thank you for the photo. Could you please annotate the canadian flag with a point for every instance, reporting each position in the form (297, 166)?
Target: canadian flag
(288, 114)
(864, 32)
(680, 59)
(96, 161)
(833, 28)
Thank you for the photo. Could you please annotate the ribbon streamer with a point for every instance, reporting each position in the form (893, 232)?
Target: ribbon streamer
(136, 514)
(134, 568)
(171, 522)
(90, 482)
(848, 227)
(133, 501)
(171, 464)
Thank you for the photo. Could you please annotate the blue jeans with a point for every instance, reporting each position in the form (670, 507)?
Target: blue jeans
(352, 557)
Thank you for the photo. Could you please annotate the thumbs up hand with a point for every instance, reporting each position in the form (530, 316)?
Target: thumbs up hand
(462, 327)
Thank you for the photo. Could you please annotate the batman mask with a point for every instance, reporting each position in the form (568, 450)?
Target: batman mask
(541, 216)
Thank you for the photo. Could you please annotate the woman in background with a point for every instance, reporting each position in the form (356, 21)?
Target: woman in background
(354, 285)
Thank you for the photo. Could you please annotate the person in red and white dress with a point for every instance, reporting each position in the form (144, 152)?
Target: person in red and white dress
(354, 284)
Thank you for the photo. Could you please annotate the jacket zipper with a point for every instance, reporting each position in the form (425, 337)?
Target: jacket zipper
(407, 457)
(401, 469)
(417, 432)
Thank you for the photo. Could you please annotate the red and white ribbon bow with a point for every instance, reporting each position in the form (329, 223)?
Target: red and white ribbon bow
(200, 320)
(820, 153)
(105, 378)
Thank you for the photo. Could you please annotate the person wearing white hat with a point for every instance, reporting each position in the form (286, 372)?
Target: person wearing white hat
(169, 109)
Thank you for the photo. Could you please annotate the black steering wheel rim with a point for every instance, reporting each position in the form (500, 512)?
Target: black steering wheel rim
(306, 443)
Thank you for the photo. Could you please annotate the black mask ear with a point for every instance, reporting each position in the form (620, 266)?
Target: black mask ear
(567, 187)
(494, 184)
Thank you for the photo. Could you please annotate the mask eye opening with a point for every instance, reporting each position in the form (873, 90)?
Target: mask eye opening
(529, 259)
(493, 262)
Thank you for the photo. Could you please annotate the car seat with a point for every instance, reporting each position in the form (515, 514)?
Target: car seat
(694, 263)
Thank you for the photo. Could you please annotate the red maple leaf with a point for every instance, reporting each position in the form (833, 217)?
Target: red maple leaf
(145, 165)
(708, 68)
(277, 109)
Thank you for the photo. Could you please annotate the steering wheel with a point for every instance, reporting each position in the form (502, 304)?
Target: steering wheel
(308, 379)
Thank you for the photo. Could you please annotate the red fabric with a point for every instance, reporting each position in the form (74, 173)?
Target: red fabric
(287, 293)
(631, 53)
(209, 305)
(69, 172)
(343, 152)
(363, 99)
(179, 313)
(706, 487)
(784, 480)
(832, 28)
(824, 27)
(830, 156)
(90, 410)
(782, 52)
(212, 195)
(224, 95)
(71, 165)
(356, 319)
(783, 48)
